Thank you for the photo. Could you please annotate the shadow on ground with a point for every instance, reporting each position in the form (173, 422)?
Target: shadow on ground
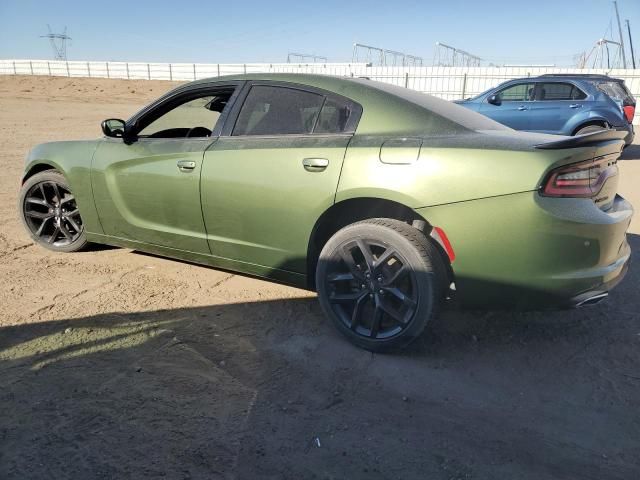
(268, 390)
(631, 152)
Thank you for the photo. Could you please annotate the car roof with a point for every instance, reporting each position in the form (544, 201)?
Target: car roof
(579, 76)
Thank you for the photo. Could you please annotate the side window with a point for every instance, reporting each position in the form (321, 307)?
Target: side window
(193, 118)
(559, 91)
(278, 111)
(334, 117)
(522, 92)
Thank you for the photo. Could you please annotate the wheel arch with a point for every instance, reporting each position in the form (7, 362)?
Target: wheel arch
(601, 122)
(40, 166)
(352, 210)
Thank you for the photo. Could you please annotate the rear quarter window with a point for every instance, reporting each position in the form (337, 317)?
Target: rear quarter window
(616, 91)
(334, 117)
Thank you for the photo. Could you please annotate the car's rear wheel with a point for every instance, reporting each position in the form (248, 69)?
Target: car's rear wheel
(590, 129)
(50, 213)
(380, 281)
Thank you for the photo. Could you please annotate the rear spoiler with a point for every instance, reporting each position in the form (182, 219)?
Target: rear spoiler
(586, 140)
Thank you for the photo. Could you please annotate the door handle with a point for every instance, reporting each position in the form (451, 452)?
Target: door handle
(522, 108)
(315, 164)
(186, 165)
(575, 105)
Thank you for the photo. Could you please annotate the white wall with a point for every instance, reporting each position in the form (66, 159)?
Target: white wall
(450, 83)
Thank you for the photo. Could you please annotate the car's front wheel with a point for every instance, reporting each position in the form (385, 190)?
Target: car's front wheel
(380, 281)
(50, 213)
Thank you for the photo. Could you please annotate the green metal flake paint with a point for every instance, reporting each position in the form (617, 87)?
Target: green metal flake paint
(254, 203)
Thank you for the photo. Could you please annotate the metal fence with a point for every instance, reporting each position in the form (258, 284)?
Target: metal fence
(450, 83)
(163, 71)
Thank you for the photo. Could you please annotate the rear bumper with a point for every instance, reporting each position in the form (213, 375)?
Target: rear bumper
(618, 271)
(628, 139)
(524, 250)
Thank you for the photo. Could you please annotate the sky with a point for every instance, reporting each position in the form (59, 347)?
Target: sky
(499, 31)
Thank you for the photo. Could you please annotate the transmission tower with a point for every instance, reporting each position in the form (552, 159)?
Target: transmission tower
(383, 57)
(303, 57)
(447, 56)
(58, 43)
(601, 56)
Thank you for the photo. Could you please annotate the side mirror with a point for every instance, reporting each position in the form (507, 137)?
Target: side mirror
(113, 127)
(494, 100)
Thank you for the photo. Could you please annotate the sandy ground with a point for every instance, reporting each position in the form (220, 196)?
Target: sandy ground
(116, 364)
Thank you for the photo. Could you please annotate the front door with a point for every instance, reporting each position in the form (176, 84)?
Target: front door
(266, 182)
(513, 107)
(147, 190)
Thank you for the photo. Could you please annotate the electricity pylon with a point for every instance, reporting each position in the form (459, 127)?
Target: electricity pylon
(58, 43)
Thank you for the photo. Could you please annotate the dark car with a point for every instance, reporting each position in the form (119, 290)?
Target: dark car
(564, 104)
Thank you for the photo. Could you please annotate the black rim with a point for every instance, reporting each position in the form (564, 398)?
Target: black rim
(52, 214)
(371, 288)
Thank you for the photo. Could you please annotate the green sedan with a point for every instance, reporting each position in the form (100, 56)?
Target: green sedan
(384, 200)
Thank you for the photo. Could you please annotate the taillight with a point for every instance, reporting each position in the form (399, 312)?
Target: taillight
(629, 112)
(584, 179)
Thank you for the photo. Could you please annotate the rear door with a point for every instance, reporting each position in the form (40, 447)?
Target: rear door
(556, 103)
(273, 172)
(514, 106)
(147, 189)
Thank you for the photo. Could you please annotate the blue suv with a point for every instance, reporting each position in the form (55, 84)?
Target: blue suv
(569, 104)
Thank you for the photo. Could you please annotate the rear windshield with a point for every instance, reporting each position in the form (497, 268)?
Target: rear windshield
(617, 91)
(456, 114)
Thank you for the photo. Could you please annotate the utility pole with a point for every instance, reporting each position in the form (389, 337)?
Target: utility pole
(633, 57)
(624, 58)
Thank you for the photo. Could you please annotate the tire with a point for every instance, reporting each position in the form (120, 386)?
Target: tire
(590, 129)
(383, 300)
(49, 212)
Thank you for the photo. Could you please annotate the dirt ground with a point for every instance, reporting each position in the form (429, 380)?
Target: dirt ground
(116, 364)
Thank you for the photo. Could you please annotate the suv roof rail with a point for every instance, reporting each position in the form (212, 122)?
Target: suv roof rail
(584, 75)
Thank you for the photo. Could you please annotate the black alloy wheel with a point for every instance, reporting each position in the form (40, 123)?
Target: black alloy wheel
(380, 281)
(50, 212)
(372, 288)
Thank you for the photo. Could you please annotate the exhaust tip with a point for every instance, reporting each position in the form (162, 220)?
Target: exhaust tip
(592, 300)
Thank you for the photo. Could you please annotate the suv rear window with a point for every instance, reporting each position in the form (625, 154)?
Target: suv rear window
(559, 91)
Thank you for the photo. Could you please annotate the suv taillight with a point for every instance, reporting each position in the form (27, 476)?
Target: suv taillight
(629, 112)
(584, 179)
